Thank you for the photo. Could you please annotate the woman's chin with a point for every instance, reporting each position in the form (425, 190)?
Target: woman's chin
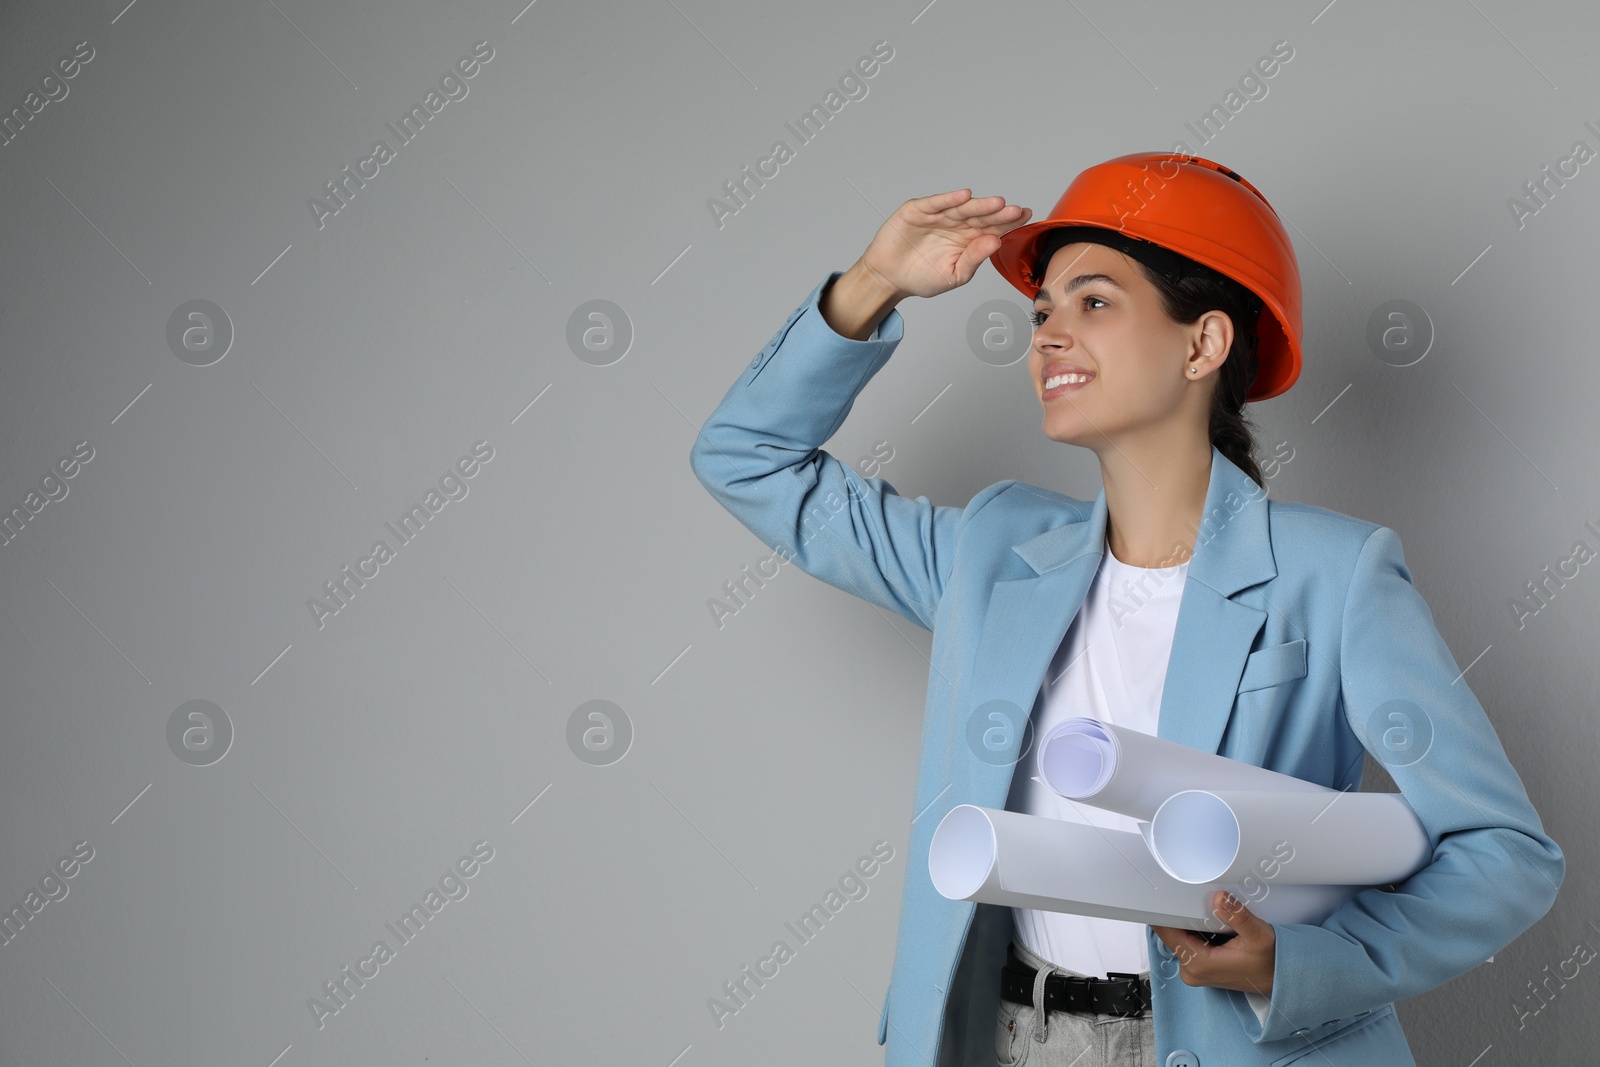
(1065, 437)
(1070, 430)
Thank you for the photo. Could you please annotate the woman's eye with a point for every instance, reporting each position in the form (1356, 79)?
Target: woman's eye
(1035, 317)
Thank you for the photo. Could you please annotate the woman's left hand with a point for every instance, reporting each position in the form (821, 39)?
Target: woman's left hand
(1243, 962)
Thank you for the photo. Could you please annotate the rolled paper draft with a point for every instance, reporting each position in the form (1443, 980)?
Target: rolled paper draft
(992, 856)
(1131, 772)
(1200, 836)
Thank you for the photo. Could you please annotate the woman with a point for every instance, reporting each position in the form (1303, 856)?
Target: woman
(1281, 634)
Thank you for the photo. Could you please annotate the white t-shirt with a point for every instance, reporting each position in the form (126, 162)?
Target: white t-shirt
(1111, 665)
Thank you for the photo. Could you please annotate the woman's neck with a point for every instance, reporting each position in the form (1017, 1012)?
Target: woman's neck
(1154, 503)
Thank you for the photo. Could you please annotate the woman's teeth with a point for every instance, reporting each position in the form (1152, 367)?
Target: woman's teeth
(1063, 379)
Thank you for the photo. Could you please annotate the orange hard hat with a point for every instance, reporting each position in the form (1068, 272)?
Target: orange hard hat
(1199, 209)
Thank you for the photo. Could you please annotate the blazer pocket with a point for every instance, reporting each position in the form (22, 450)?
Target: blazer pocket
(1274, 665)
(1353, 1028)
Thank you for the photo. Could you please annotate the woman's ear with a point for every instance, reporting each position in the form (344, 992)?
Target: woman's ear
(1216, 333)
(1211, 338)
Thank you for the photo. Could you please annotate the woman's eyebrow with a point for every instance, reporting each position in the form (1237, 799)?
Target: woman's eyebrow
(1078, 283)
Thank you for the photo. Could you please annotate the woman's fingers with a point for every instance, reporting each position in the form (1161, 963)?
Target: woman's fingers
(938, 202)
(958, 204)
(977, 208)
(978, 249)
(933, 243)
(1002, 224)
(996, 222)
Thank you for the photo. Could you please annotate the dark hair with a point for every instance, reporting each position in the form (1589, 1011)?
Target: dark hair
(1199, 290)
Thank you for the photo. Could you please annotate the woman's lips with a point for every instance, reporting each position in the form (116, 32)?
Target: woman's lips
(1064, 389)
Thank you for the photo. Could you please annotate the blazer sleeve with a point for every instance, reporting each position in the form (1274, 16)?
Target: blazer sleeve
(1494, 872)
(758, 454)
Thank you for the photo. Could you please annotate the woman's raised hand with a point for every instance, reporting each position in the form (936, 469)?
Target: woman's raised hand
(933, 244)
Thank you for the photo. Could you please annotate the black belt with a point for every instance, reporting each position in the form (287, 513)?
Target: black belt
(1119, 993)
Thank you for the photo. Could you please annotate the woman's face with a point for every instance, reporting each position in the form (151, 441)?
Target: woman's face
(1096, 314)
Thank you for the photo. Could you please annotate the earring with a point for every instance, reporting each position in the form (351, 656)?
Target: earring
(1192, 370)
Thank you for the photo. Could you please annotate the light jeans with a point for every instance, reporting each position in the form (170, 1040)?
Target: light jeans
(1026, 1035)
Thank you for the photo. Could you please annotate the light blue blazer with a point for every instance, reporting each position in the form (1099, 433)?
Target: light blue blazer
(1299, 639)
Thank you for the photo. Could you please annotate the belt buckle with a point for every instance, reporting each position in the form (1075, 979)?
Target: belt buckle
(1135, 990)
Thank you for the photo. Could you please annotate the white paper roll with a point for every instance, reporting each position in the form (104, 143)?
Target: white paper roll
(1201, 836)
(1017, 860)
(1131, 772)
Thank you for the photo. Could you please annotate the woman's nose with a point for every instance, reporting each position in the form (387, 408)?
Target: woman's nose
(1050, 334)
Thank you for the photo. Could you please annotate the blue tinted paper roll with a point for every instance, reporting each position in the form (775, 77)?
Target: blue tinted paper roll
(1017, 860)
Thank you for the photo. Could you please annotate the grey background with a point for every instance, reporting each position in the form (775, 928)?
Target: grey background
(767, 756)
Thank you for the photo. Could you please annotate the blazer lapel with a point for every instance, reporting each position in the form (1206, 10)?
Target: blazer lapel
(1027, 618)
